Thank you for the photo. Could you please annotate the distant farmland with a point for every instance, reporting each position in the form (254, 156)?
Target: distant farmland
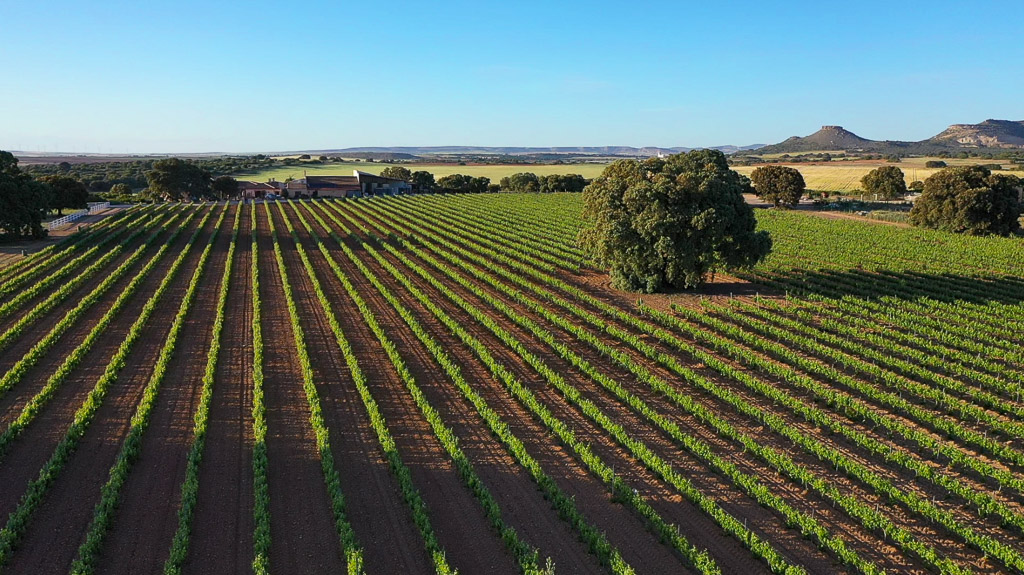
(833, 177)
(841, 176)
(494, 172)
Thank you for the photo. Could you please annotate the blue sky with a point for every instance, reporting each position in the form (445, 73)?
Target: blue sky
(190, 76)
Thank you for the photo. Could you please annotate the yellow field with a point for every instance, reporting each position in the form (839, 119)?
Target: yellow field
(494, 172)
(837, 177)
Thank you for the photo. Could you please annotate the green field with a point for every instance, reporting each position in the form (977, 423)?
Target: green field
(494, 172)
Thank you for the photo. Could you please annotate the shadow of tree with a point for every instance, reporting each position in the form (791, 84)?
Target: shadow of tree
(946, 287)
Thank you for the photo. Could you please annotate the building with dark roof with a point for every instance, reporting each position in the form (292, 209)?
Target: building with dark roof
(357, 185)
(251, 190)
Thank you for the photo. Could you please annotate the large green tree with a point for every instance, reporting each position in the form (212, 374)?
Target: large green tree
(463, 184)
(422, 181)
(522, 182)
(177, 179)
(66, 193)
(886, 182)
(23, 201)
(225, 187)
(780, 185)
(669, 222)
(397, 173)
(971, 200)
(562, 183)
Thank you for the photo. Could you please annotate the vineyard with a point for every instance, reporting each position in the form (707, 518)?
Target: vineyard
(441, 384)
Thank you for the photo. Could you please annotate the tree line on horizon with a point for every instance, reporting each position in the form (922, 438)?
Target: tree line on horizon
(959, 199)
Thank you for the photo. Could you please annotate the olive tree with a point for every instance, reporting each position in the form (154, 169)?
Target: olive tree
(669, 222)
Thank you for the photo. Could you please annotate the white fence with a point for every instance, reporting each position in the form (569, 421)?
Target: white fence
(66, 219)
(92, 209)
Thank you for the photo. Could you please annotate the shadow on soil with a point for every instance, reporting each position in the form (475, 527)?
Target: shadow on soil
(905, 285)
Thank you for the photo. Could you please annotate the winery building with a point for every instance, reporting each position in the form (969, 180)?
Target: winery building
(357, 185)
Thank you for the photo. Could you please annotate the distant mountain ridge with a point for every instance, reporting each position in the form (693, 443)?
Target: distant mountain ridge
(523, 150)
(989, 135)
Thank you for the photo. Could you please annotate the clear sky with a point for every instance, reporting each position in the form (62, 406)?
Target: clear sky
(191, 76)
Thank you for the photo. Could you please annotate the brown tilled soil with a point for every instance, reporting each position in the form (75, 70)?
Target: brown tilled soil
(36, 443)
(520, 500)
(146, 519)
(871, 548)
(70, 300)
(303, 538)
(52, 539)
(624, 529)
(412, 436)
(33, 380)
(456, 515)
(221, 540)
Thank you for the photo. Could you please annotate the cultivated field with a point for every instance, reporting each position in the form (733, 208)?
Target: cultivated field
(841, 176)
(835, 176)
(438, 383)
(493, 171)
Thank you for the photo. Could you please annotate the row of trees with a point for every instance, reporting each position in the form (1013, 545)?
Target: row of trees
(25, 200)
(964, 199)
(784, 186)
(522, 182)
(530, 182)
(102, 176)
(670, 222)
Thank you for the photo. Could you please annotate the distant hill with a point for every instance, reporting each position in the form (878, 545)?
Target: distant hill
(988, 136)
(827, 138)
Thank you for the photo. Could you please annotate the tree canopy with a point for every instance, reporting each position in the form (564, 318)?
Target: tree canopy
(526, 182)
(887, 182)
(971, 200)
(780, 185)
(397, 172)
(225, 187)
(462, 184)
(562, 183)
(422, 181)
(177, 179)
(66, 193)
(23, 201)
(669, 222)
